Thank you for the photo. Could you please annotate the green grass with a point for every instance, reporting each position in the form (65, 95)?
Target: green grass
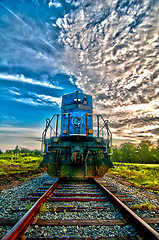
(43, 208)
(145, 206)
(145, 175)
(16, 164)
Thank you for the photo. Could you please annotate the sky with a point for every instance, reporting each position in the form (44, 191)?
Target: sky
(106, 48)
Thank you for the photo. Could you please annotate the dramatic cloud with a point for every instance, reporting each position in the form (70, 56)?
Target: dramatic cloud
(113, 48)
(109, 49)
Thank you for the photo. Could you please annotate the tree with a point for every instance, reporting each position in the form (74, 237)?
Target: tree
(144, 152)
(37, 152)
(128, 152)
(116, 155)
(16, 150)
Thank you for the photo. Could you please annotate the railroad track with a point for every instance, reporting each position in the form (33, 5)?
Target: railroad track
(79, 210)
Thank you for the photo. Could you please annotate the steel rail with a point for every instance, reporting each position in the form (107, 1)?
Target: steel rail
(142, 227)
(20, 227)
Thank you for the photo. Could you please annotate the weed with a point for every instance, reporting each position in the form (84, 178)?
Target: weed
(145, 175)
(55, 208)
(29, 206)
(145, 206)
(43, 208)
(11, 163)
(22, 179)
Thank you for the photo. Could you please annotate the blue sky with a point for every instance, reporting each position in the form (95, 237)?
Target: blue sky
(108, 49)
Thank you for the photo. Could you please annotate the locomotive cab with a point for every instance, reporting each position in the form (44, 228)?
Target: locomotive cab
(76, 116)
(76, 143)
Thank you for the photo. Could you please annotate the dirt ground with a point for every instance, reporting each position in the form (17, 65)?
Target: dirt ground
(12, 180)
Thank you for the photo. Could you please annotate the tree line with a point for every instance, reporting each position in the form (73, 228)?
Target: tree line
(145, 152)
(22, 152)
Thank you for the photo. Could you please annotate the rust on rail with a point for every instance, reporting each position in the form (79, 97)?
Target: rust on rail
(142, 227)
(26, 220)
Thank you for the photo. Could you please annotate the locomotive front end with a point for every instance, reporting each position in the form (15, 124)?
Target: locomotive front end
(72, 146)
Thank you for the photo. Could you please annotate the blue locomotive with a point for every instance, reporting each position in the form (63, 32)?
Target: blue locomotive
(76, 143)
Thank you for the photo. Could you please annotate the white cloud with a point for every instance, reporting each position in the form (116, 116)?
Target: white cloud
(146, 128)
(113, 52)
(54, 4)
(112, 49)
(14, 92)
(22, 78)
(40, 100)
(48, 99)
(28, 101)
(23, 137)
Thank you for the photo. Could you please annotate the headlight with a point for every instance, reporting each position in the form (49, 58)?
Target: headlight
(99, 140)
(55, 139)
(64, 131)
(90, 131)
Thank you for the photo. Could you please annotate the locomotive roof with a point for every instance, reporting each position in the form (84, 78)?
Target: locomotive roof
(76, 92)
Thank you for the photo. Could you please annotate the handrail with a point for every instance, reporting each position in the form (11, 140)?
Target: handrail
(105, 125)
(48, 121)
(48, 124)
(109, 135)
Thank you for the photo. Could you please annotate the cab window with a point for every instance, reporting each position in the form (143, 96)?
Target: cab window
(84, 107)
(70, 107)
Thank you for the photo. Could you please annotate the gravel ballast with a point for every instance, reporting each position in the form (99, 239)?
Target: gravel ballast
(10, 199)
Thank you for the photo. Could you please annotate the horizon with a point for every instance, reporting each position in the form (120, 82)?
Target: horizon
(154, 144)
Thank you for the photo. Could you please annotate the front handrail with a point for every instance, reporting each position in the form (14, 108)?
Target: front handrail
(47, 125)
(109, 135)
(55, 131)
